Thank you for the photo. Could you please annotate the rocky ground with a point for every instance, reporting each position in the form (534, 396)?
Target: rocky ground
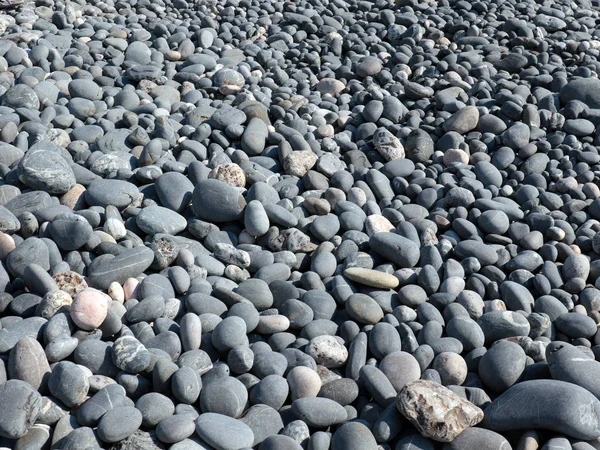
(346, 225)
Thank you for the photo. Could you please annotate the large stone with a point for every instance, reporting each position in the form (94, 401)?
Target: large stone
(436, 411)
(548, 405)
(20, 405)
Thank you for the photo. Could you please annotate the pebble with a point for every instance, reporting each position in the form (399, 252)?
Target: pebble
(21, 404)
(89, 308)
(436, 411)
(222, 432)
(373, 278)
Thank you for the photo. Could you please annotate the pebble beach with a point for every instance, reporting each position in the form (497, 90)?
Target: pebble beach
(307, 225)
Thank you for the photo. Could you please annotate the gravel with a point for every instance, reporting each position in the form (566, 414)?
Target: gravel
(242, 224)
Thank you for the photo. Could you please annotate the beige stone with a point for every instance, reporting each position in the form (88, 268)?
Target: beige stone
(436, 411)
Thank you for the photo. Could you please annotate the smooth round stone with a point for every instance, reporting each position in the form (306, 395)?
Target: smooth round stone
(528, 398)
(412, 295)
(156, 219)
(263, 420)
(89, 308)
(154, 408)
(223, 432)
(21, 405)
(8, 221)
(69, 383)
(319, 412)
(353, 436)
(484, 253)
(256, 220)
(186, 385)
(384, 339)
(478, 438)
(373, 278)
(85, 89)
(272, 391)
(467, 331)
(502, 365)
(229, 333)
(395, 248)
(104, 192)
(342, 390)
(304, 382)
(216, 201)
(400, 368)
(190, 330)
(174, 190)
(176, 428)
(119, 423)
(130, 355)
(257, 291)
(493, 222)
(451, 367)
(225, 396)
(27, 361)
(363, 309)
(576, 325)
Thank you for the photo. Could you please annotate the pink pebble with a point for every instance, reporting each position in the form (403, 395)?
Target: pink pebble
(89, 308)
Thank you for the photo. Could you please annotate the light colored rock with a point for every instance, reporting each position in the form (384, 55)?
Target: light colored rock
(70, 282)
(74, 198)
(376, 223)
(388, 145)
(304, 382)
(373, 278)
(327, 351)
(229, 173)
(299, 163)
(89, 308)
(7, 245)
(436, 411)
(52, 302)
(116, 292)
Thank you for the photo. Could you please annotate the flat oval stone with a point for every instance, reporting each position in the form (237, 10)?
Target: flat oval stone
(104, 192)
(223, 432)
(156, 219)
(129, 264)
(395, 248)
(373, 278)
(363, 309)
(318, 411)
(216, 201)
(533, 405)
